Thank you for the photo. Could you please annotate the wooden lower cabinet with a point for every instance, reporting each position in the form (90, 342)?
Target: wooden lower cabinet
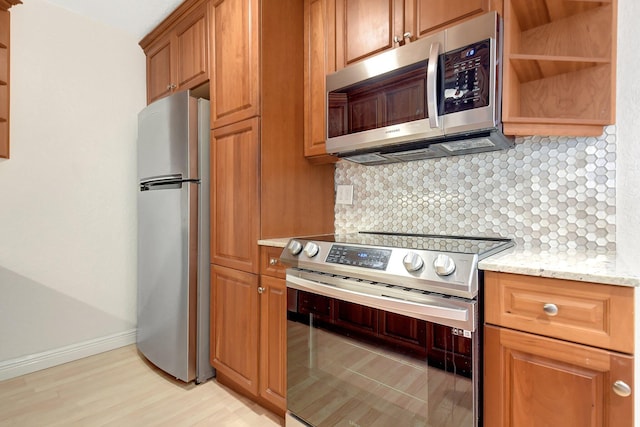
(234, 327)
(273, 341)
(533, 381)
(249, 333)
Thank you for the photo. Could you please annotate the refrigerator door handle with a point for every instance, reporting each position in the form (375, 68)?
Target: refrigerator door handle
(164, 182)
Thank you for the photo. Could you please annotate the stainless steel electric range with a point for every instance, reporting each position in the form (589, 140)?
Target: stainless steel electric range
(383, 329)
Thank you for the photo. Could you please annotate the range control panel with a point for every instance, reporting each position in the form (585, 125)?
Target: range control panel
(359, 256)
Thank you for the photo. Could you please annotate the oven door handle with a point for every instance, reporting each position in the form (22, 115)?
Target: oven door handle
(442, 312)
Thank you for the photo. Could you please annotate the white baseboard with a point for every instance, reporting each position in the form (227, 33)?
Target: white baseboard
(35, 362)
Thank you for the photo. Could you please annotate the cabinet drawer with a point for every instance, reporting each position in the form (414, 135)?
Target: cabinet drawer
(587, 313)
(270, 262)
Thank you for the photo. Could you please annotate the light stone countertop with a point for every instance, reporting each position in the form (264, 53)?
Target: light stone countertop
(275, 242)
(597, 267)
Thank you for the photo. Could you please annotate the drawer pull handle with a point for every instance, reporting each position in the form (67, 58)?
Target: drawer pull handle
(621, 389)
(273, 261)
(550, 309)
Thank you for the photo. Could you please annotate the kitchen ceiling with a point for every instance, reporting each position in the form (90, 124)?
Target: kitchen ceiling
(136, 17)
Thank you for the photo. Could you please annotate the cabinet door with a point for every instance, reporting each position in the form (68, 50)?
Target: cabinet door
(537, 381)
(235, 219)
(427, 16)
(366, 27)
(235, 67)
(192, 59)
(319, 60)
(273, 341)
(159, 62)
(234, 326)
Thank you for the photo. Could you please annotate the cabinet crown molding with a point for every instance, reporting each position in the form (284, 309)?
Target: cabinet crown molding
(6, 4)
(183, 9)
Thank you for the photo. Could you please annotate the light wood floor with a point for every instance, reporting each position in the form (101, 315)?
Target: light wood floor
(120, 388)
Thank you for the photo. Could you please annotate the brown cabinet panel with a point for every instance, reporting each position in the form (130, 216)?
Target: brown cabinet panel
(319, 59)
(192, 62)
(366, 27)
(273, 341)
(159, 70)
(404, 329)
(450, 351)
(234, 326)
(177, 51)
(235, 204)
(270, 262)
(235, 67)
(314, 304)
(586, 313)
(430, 15)
(533, 381)
(355, 316)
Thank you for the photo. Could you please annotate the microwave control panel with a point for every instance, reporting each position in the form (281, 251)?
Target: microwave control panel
(467, 77)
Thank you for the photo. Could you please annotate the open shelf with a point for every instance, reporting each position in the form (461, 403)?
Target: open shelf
(559, 67)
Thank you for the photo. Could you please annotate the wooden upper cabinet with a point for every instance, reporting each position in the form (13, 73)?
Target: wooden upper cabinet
(177, 51)
(159, 79)
(559, 66)
(319, 60)
(5, 43)
(367, 27)
(426, 16)
(235, 61)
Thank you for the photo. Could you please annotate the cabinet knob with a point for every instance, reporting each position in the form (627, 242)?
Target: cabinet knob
(621, 388)
(261, 289)
(407, 36)
(171, 86)
(550, 309)
(273, 261)
(396, 39)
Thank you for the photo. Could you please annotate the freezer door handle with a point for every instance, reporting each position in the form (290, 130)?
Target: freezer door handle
(164, 182)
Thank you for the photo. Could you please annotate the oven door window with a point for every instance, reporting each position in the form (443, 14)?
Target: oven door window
(351, 365)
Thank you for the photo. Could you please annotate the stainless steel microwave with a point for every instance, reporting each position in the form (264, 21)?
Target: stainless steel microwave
(434, 97)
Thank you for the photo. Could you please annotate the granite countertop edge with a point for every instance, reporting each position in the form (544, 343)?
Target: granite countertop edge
(586, 266)
(278, 242)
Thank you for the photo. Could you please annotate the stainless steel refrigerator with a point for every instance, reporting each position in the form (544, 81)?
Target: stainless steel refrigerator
(173, 236)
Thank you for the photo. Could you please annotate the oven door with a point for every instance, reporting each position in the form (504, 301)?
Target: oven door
(355, 359)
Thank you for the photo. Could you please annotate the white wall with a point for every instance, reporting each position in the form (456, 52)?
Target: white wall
(628, 159)
(67, 195)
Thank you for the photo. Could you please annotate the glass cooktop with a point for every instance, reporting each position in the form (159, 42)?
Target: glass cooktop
(482, 246)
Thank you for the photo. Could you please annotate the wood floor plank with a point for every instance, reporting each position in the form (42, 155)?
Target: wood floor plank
(120, 388)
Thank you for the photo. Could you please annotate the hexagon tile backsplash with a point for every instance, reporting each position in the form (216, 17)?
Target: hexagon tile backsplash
(546, 192)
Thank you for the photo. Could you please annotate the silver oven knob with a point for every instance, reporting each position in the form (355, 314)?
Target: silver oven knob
(311, 249)
(412, 262)
(444, 265)
(294, 247)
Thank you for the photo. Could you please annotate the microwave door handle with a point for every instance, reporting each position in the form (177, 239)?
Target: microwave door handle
(432, 83)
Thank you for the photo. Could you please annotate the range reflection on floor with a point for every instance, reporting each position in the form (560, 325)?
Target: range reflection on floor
(338, 381)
